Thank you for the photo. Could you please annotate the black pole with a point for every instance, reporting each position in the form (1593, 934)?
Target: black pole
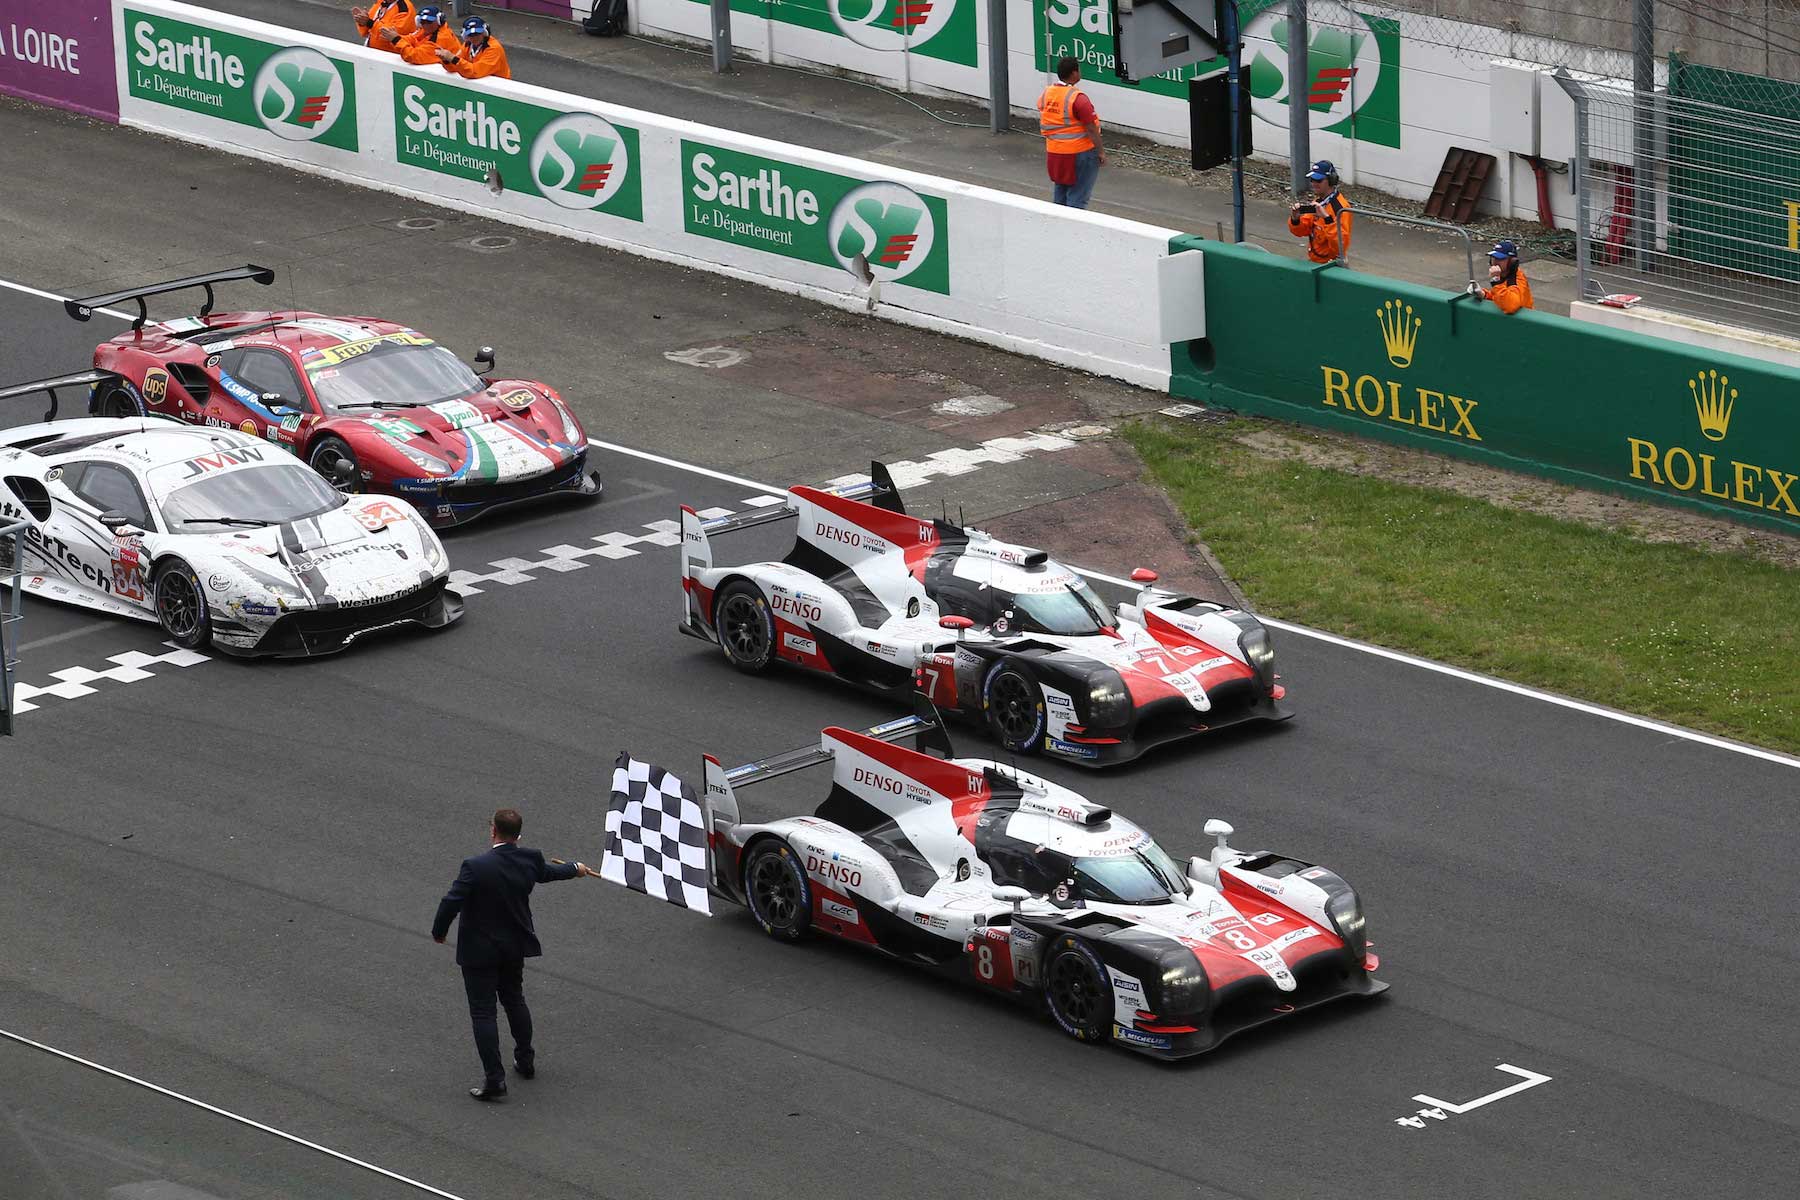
(1643, 69)
(1234, 54)
(1299, 97)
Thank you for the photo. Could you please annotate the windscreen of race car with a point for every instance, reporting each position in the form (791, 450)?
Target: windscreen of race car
(1074, 610)
(275, 494)
(395, 374)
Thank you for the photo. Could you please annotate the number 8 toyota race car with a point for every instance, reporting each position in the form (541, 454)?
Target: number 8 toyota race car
(994, 876)
(986, 628)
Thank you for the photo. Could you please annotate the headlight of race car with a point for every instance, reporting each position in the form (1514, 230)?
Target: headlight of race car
(431, 464)
(571, 430)
(1259, 652)
(1109, 704)
(1345, 911)
(1185, 991)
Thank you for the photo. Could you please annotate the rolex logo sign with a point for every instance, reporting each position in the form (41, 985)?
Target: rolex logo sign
(1399, 331)
(1410, 403)
(1713, 398)
(1719, 476)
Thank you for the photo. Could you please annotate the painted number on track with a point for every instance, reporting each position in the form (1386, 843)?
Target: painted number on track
(1443, 1110)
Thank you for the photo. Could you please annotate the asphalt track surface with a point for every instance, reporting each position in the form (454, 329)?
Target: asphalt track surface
(220, 878)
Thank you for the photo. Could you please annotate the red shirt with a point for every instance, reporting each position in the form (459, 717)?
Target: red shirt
(1062, 166)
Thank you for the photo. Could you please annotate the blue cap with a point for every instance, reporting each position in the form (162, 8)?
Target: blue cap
(474, 26)
(432, 14)
(1322, 170)
(1504, 249)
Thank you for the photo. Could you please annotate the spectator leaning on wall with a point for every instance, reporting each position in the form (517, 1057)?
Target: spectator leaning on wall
(1507, 286)
(1323, 219)
(480, 55)
(373, 23)
(1071, 132)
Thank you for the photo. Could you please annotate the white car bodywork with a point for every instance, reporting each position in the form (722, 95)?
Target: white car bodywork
(368, 554)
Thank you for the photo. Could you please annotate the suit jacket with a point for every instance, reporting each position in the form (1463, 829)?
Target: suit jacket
(492, 892)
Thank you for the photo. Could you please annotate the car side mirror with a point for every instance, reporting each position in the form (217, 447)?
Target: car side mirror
(1144, 575)
(956, 625)
(118, 522)
(272, 399)
(1014, 896)
(484, 360)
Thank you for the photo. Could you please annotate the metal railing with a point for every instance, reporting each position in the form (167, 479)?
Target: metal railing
(12, 555)
(1357, 214)
(1691, 205)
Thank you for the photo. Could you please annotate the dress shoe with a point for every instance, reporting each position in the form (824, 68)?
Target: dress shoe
(488, 1091)
(523, 1070)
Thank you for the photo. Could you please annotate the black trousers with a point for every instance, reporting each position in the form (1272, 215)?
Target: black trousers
(504, 982)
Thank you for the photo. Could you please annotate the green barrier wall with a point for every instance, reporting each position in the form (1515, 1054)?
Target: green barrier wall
(1596, 407)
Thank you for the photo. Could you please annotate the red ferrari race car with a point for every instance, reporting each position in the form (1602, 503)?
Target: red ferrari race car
(370, 404)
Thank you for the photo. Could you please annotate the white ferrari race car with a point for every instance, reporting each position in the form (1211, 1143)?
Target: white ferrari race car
(222, 538)
(1017, 885)
(995, 631)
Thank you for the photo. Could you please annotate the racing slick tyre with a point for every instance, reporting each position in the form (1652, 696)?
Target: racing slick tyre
(327, 458)
(775, 888)
(1014, 705)
(746, 630)
(1076, 990)
(116, 400)
(181, 607)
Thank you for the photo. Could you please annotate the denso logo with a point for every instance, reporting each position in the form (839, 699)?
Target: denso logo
(881, 782)
(832, 533)
(837, 872)
(804, 609)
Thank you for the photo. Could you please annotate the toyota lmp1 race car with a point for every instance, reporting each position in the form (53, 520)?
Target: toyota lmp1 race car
(372, 405)
(991, 875)
(992, 630)
(216, 535)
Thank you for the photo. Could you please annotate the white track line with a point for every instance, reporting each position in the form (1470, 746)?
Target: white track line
(1425, 664)
(43, 295)
(231, 1116)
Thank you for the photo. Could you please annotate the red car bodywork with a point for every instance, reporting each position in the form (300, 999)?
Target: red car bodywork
(511, 441)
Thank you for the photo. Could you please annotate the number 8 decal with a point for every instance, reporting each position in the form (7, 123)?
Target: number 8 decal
(990, 958)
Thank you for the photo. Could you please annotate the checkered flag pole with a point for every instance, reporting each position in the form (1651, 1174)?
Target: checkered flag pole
(655, 836)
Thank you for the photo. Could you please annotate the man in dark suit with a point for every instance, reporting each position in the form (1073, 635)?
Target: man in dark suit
(492, 892)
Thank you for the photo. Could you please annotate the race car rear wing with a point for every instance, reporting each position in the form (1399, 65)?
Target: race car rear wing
(83, 310)
(697, 532)
(721, 804)
(50, 386)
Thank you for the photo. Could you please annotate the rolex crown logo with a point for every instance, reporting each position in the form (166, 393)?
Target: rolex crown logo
(1713, 398)
(1399, 331)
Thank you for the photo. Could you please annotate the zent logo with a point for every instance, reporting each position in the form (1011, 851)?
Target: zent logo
(298, 94)
(889, 225)
(579, 161)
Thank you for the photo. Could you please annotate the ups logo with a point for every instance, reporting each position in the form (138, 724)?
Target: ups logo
(156, 385)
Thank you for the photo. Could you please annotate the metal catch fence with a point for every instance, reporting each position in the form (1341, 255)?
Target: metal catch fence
(1690, 198)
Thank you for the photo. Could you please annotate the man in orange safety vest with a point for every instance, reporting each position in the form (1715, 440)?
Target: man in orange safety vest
(1071, 132)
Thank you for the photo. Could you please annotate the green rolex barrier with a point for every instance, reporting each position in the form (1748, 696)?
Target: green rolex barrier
(1595, 407)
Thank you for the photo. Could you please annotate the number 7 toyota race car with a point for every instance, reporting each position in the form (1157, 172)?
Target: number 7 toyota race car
(992, 630)
(987, 874)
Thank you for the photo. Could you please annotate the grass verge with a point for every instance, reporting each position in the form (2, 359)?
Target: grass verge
(1706, 640)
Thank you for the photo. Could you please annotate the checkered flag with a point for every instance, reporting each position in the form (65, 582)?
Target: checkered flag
(655, 836)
